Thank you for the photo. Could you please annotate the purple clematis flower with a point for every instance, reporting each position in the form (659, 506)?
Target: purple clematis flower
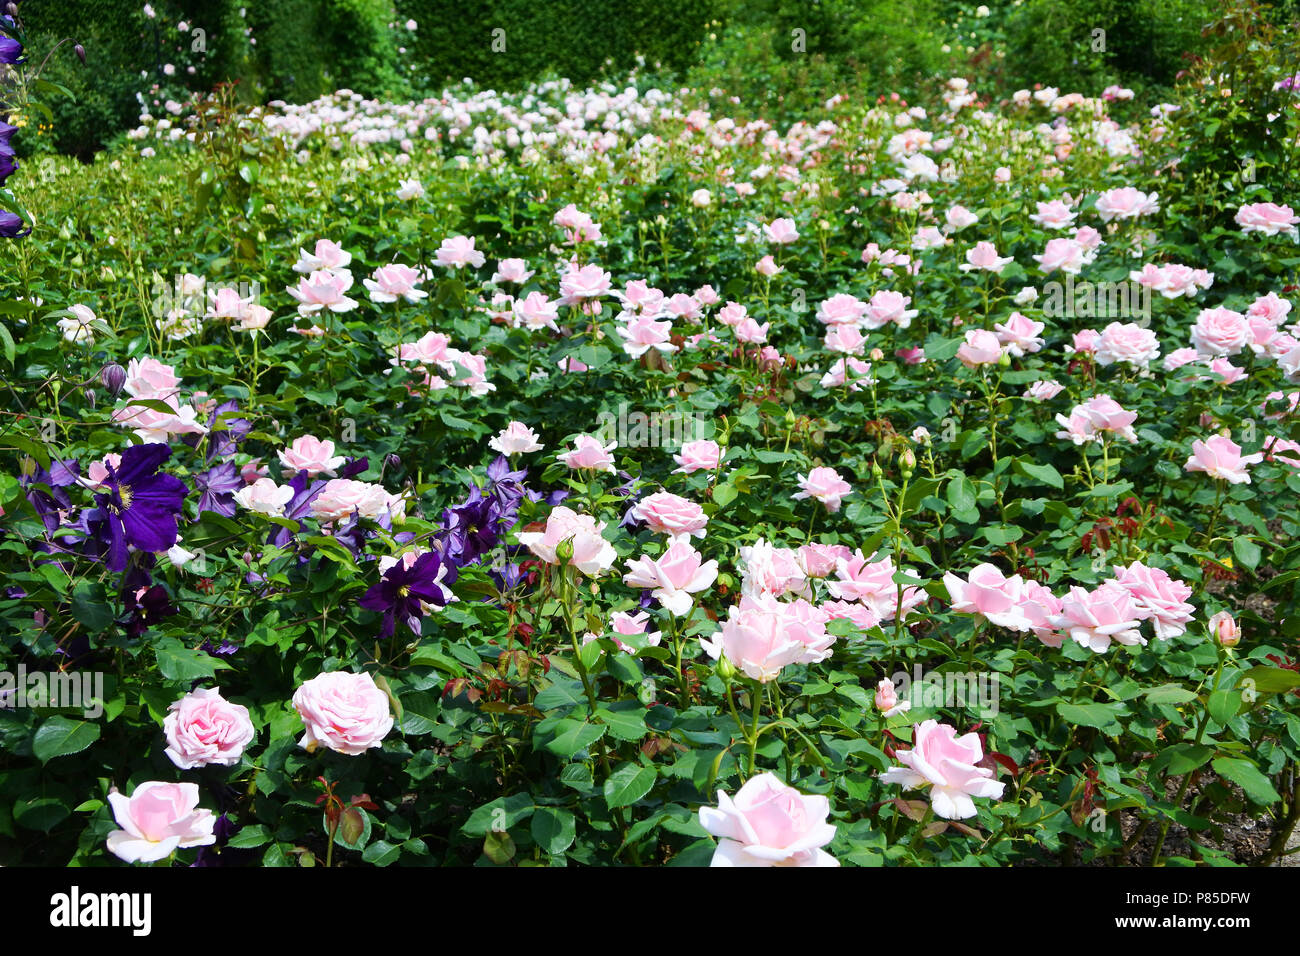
(217, 487)
(11, 51)
(140, 507)
(405, 588)
(11, 226)
(226, 430)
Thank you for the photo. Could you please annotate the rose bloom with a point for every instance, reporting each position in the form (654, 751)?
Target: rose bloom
(1221, 457)
(264, 496)
(1095, 618)
(1042, 391)
(1064, 254)
(767, 569)
(1160, 598)
(588, 454)
(767, 266)
(1126, 203)
(671, 514)
(1220, 332)
(769, 824)
(311, 455)
(1041, 607)
(393, 282)
(584, 285)
(148, 378)
(516, 439)
(643, 333)
(990, 595)
(76, 328)
(677, 574)
(628, 625)
(158, 819)
(1268, 218)
(1084, 342)
(345, 712)
(1281, 449)
(751, 332)
(872, 582)
(948, 764)
(820, 560)
(1180, 357)
(341, 498)
(762, 635)
(592, 554)
(841, 309)
(959, 217)
(886, 699)
(985, 256)
(847, 339)
(457, 252)
(981, 347)
(1053, 215)
(889, 306)
(410, 189)
(328, 255)
(781, 231)
(702, 455)
(1129, 343)
(204, 728)
(323, 290)
(826, 485)
(512, 270)
(1019, 334)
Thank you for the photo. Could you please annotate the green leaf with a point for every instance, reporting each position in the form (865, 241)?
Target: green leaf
(182, 664)
(1247, 776)
(381, 853)
(553, 829)
(1269, 680)
(961, 493)
(250, 836)
(60, 736)
(572, 736)
(624, 724)
(90, 606)
(1101, 716)
(1044, 473)
(628, 784)
(1224, 704)
(1246, 551)
(1169, 694)
(501, 814)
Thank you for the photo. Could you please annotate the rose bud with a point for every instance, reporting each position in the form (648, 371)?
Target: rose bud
(907, 463)
(1225, 629)
(725, 669)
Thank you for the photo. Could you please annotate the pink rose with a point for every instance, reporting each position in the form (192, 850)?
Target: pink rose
(1225, 629)
(990, 595)
(592, 554)
(1221, 457)
(583, 286)
(1068, 255)
(1042, 391)
(1126, 203)
(514, 271)
(767, 569)
(264, 496)
(323, 290)
(758, 639)
(1041, 607)
(310, 454)
(1180, 357)
(204, 728)
(341, 498)
(677, 574)
(456, 252)
(949, 765)
(1160, 598)
(981, 347)
(985, 256)
(841, 309)
(588, 454)
(393, 282)
(769, 824)
(1220, 332)
(328, 255)
(767, 266)
(872, 582)
(826, 485)
(781, 231)
(346, 712)
(819, 560)
(671, 514)
(703, 455)
(158, 819)
(1095, 618)
(149, 378)
(1053, 215)
(1129, 343)
(642, 333)
(1268, 218)
(516, 439)
(1019, 334)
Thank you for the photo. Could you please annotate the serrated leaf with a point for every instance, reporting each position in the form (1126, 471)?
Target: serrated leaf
(60, 736)
(628, 784)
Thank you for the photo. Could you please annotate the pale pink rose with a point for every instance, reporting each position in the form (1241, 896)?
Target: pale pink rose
(1084, 342)
(1126, 203)
(569, 364)
(592, 554)
(1220, 331)
(328, 255)
(1225, 629)
(913, 356)
(769, 824)
(429, 349)
(927, 237)
(1230, 373)
(638, 296)
(751, 332)
(1064, 254)
(1002, 175)
(959, 217)
(323, 290)
(1101, 413)
(889, 306)
(1289, 363)
(204, 728)
(97, 471)
(255, 317)
(393, 282)
(683, 306)
(861, 615)
(1180, 357)
(628, 625)
(588, 454)
(981, 347)
(345, 712)
(767, 569)
(311, 455)
(820, 560)
(516, 439)
(847, 339)
(1053, 215)
(1283, 450)
(732, 314)
(767, 266)
(949, 765)
(701, 198)
(1271, 308)
(872, 582)
(536, 311)
(253, 470)
(781, 231)
(839, 374)
(265, 497)
(826, 485)
(985, 256)
(583, 286)
(1019, 334)
(1268, 218)
(341, 498)
(1160, 598)
(643, 333)
(456, 252)
(670, 514)
(514, 271)
(225, 304)
(756, 639)
(706, 295)
(155, 426)
(807, 624)
(149, 378)
(677, 574)
(1221, 457)
(1292, 403)
(1043, 391)
(702, 455)
(1041, 607)
(1128, 343)
(158, 819)
(841, 309)
(1093, 619)
(990, 595)
(1089, 238)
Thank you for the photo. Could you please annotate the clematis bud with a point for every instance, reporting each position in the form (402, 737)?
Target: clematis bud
(393, 460)
(113, 376)
(90, 396)
(78, 49)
